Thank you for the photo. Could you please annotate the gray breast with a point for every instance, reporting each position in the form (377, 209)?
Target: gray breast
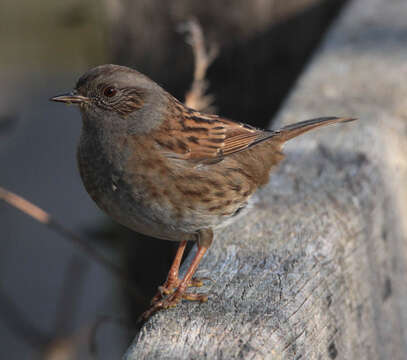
(101, 170)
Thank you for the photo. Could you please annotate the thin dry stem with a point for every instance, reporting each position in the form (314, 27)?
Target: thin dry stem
(203, 56)
(24, 206)
(43, 217)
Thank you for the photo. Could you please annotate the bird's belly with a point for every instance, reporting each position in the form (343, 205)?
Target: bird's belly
(131, 201)
(154, 202)
(124, 205)
(138, 208)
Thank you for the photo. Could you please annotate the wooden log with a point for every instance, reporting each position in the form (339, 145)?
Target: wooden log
(317, 269)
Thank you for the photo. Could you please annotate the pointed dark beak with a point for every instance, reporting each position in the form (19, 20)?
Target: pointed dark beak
(70, 98)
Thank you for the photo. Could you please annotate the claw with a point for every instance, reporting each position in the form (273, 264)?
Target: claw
(170, 302)
(201, 280)
(168, 289)
(201, 297)
(196, 282)
(165, 291)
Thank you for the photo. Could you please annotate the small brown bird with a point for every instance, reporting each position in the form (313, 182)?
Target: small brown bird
(168, 171)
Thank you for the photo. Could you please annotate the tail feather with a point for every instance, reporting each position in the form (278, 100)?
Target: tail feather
(290, 131)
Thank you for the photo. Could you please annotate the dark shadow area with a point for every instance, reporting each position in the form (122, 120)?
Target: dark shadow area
(251, 80)
(251, 77)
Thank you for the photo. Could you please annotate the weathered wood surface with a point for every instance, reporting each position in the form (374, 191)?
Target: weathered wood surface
(317, 269)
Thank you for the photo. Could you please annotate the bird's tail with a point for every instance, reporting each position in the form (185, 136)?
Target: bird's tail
(290, 131)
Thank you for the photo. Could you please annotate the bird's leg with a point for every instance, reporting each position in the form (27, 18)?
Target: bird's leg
(204, 242)
(172, 278)
(173, 281)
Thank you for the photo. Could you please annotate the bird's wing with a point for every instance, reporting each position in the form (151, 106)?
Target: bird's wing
(206, 138)
(191, 135)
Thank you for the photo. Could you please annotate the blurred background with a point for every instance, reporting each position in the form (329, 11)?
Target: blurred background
(55, 302)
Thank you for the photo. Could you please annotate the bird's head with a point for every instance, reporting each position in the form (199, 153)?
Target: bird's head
(114, 95)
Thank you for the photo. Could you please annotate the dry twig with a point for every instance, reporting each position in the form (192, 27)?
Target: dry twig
(204, 56)
(43, 217)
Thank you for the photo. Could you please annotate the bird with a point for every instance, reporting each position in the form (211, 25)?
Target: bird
(168, 171)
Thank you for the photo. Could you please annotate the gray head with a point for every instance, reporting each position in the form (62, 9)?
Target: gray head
(117, 96)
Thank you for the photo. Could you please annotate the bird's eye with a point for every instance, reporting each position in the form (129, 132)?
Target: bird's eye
(109, 91)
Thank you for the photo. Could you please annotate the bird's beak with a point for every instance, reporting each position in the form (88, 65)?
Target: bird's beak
(70, 98)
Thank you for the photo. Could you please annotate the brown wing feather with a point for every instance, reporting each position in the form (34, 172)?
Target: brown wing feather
(204, 137)
(209, 138)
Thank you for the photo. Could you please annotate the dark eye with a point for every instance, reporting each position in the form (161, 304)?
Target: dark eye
(109, 91)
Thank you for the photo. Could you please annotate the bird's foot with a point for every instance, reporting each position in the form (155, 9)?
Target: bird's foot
(169, 287)
(172, 300)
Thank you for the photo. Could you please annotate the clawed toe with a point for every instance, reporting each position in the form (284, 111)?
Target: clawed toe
(197, 282)
(165, 290)
(171, 301)
(201, 297)
(168, 289)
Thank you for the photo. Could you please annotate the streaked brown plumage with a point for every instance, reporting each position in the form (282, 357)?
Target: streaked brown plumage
(168, 171)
